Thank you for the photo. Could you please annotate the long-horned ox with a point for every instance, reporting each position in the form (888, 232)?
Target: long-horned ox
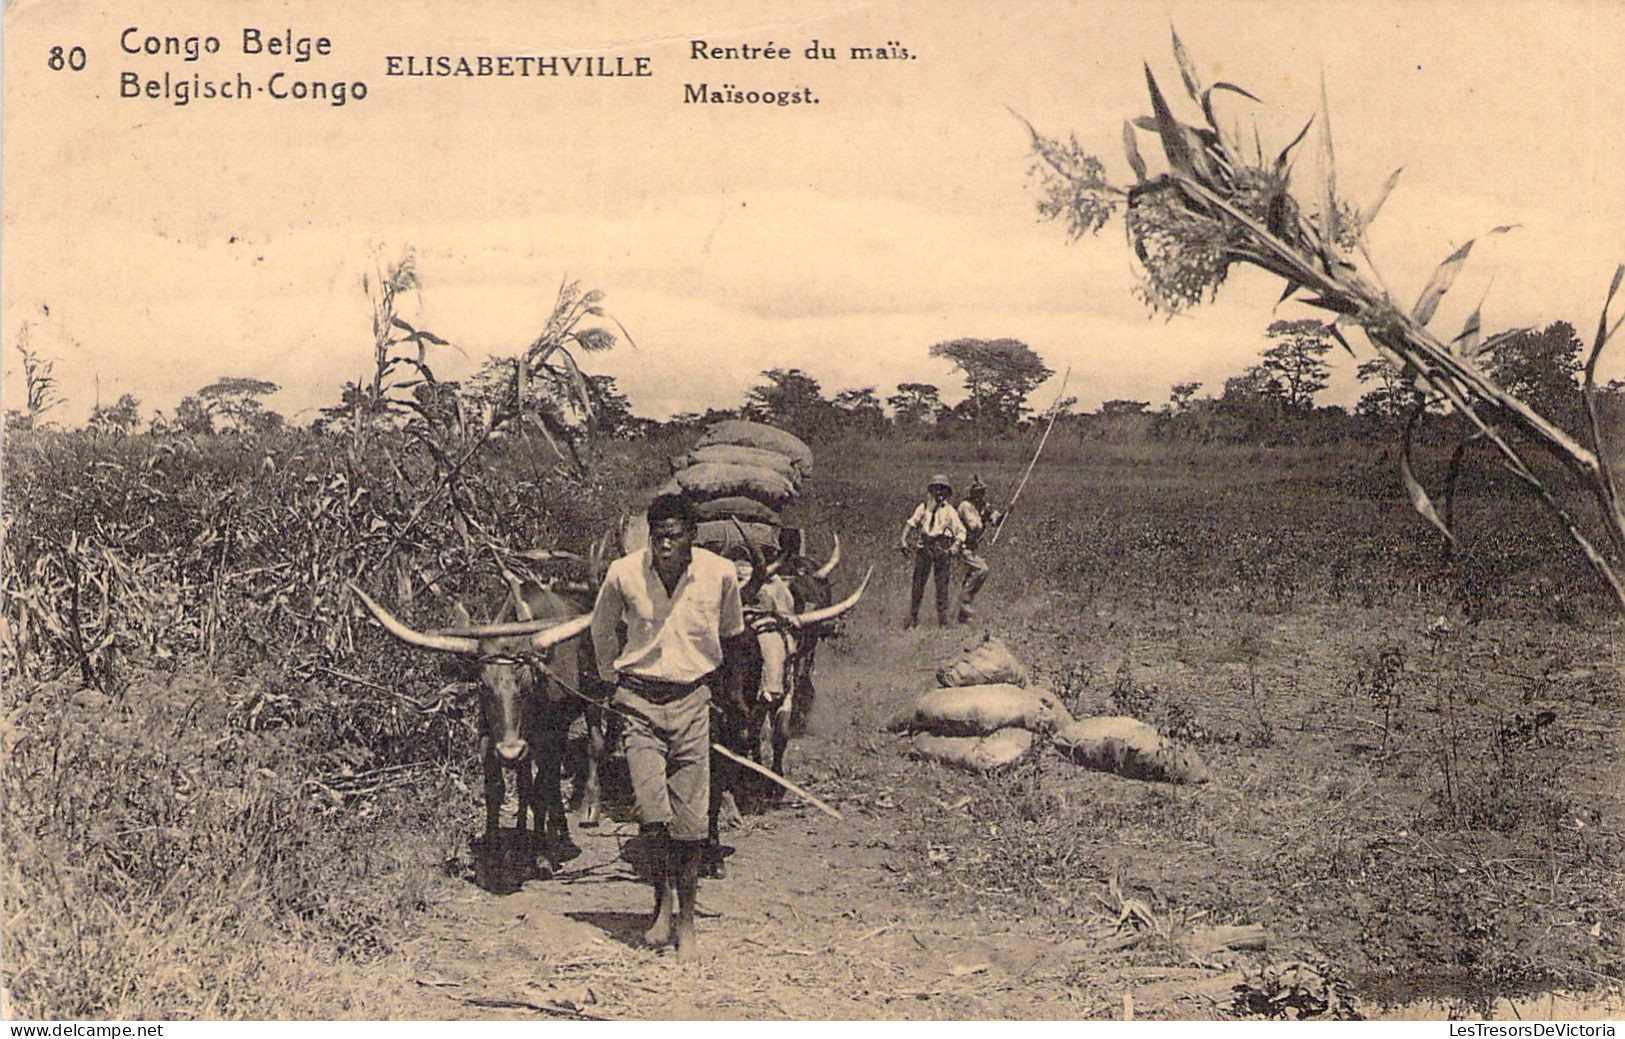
(525, 713)
(783, 643)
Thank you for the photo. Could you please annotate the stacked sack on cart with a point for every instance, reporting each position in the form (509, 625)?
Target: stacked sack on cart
(741, 475)
(984, 718)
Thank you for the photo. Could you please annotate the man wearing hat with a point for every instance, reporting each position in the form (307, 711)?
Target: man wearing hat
(978, 518)
(933, 535)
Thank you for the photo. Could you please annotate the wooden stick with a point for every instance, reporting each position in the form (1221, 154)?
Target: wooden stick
(775, 777)
(1054, 413)
(719, 748)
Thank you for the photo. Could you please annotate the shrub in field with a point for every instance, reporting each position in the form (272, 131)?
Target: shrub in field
(164, 861)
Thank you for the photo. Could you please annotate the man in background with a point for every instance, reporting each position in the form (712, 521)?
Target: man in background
(933, 536)
(978, 518)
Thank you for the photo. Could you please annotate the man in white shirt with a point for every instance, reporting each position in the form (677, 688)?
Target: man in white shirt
(679, 604)
(933, 536)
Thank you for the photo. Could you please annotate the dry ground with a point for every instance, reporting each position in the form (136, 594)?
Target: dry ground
(919, 906)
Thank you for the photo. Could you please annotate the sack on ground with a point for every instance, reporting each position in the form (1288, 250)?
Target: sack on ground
(733, 454)
(720, 535)
(722, 480)
(1131, 748)
(990, 663)
(976, 753)
(754, 434)
(747, 509)
(981, 710)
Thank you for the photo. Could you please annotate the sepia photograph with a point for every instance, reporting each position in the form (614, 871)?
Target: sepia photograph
(1048, 510)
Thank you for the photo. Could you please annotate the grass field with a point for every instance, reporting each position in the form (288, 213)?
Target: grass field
(240, 802)
(1417, 761)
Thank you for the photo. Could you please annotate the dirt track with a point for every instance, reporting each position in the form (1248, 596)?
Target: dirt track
(823, 919)
(811, 921)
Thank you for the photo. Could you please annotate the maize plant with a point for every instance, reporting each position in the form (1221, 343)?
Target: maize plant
(1221, 202)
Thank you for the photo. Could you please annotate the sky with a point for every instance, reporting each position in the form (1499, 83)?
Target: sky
(151, 249)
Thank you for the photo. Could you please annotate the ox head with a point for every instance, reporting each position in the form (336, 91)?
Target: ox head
(507, 684)
(798, 566)
(781, 641)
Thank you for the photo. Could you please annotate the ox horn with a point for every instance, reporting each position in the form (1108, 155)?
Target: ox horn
(831, 612)
(834, 560)
(507, 629)
(560, 632)
(435, 641)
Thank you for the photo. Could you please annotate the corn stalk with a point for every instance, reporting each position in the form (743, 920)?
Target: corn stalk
(1217, 205)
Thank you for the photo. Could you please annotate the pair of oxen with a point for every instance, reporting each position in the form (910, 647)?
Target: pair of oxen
(537, 674)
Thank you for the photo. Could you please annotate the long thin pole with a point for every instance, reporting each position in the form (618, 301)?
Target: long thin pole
(1054, 413)
(775, 777)
(719, 748)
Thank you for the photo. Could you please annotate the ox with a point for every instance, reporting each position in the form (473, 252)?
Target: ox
(525, 714)
(784, 634)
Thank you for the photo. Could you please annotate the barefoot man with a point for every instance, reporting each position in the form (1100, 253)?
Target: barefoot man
(679, 604)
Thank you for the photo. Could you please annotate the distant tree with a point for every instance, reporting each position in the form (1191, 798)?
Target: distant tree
(237, 400)
(1297, 361)
(915, 403)
(860, 408)
(789, 398)
(1253, 392)
(1124, 407)
(1392, 397)
(612, 409)
(192, 416)
(999, 373)
(121, 418)
(1542, 368)
(1181, 395)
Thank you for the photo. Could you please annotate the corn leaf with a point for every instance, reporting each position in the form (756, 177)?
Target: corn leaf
(1603, 333)
(1470, 334)
(1329, 218)
(1445, 276)
(416, 335)
(1413, 487)
(1372, 210)
(1133, 149)
(1207, 101)
(1281, 159)
(1440, 283)
(1187, 68)
(1175, 145)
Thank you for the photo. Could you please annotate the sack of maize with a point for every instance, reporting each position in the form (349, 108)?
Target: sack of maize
(1130, 748)
(991, 663)
(720, 535)
(747, 509)
(733, 454)
(724, 480)
(976, 753)
(754, 434)
(981, 710)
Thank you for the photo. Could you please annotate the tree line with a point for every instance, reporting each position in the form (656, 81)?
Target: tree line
(544, 388)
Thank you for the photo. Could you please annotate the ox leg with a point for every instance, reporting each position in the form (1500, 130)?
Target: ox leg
(591, 792)
(721, 779)
(490, 848)
(781, 736)
(552, 823)
(529, 824)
